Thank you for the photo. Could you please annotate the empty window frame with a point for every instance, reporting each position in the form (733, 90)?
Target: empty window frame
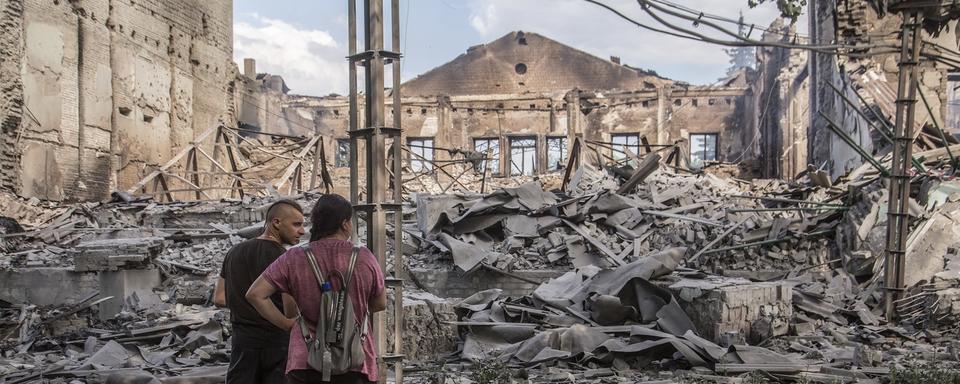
(703, 147)
(623, 142)
(556, 153)
(523, 156)
(342, 157)
(952, 121)
(421, 153)
(490, 148)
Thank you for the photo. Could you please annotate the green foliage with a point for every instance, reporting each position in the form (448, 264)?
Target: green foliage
(438, 374)
(490, 372)
(924, 374)
(790, 9)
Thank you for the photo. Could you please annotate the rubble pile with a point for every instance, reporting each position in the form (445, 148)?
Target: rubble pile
(698, 274)
(528, 227)
(182, 341)
(642, 265)
(144, 274)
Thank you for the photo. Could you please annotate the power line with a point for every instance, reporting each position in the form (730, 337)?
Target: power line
(649, 8)
(639, 24)
(701, 14)
(740, 41)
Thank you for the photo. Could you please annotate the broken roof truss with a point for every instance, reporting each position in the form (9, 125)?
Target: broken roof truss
(237, 166)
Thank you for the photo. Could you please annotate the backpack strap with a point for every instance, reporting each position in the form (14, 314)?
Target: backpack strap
(365, 320)
(353, 263)
(313, 264)
(304, 330)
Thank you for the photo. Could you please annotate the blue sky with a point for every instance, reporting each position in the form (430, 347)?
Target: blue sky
(305, 41)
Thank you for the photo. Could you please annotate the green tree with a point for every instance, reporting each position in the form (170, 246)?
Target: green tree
(790, 9)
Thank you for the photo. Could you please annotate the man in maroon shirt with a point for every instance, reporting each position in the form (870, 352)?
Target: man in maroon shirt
(291, 274)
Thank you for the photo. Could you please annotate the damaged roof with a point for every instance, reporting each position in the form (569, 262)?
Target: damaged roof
(522, 62)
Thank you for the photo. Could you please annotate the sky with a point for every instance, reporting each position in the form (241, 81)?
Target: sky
(305, 41)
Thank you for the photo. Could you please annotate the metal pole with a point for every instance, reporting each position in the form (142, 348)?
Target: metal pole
(375, 151)
(398, 264)
(354, 123)
(899, 196)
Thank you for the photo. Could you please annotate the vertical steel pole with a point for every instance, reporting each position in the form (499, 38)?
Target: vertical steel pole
(374, 134)
(354, 124)
(398, 264)
(899, 194)
(375, 149)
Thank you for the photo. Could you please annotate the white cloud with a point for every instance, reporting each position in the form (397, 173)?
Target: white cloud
(598, 31)
(310, 60)
(480, 21)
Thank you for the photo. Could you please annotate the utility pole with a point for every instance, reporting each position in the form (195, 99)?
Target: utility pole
(898, 221)
(374, 136)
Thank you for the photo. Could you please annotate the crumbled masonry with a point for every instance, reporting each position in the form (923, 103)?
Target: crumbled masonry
(541, 214)
(690, 273)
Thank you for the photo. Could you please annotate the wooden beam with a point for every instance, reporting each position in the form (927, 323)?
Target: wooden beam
(163, 183)
(714, 242)
(324, 173)
(316, 161)
(296, 162)
(233, 161)
(195, 187)
(595, 243)
(196, 170)
(571, 163)
(647, 166)
(172, 161)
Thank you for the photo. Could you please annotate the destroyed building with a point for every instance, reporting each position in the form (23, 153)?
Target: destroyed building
(97, 94)
(527, 97)
(557, 216)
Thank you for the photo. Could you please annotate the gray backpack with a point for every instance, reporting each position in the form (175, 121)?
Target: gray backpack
(337, 346)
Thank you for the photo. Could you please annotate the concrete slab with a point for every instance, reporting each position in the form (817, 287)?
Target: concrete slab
(450, 283)
(47, 286)
(133, 286)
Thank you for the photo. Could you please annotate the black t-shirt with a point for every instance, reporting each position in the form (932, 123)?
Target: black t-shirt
(241, 266)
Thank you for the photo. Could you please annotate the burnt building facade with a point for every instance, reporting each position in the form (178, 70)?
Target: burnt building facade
(523, 98)
(97, 93)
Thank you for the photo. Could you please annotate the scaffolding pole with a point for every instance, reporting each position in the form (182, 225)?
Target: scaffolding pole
(374, 135)
(899, 196)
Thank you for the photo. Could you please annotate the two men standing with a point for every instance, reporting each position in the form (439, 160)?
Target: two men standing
(260, 277)
(259, 349)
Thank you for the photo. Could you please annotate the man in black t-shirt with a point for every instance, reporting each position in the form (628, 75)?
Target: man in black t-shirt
(259, 349)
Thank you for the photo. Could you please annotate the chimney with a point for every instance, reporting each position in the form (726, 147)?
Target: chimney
(615, 59)
(250, 68)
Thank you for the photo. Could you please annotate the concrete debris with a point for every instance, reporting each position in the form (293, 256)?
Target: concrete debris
(682, 272)
(123, 292)
(606, 228)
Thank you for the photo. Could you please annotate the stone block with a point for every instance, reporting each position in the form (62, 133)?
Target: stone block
(131, 289)
(426, 334)
(114, 254)
(719, 305)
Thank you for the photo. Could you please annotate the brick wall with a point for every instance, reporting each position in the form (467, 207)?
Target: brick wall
(455, 122)
(113, 88)
(525, 62)
(446, 283)
(11, 90)
(735, 306)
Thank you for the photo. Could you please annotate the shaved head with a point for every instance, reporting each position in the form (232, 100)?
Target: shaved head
(282, 208)
(284, 221)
